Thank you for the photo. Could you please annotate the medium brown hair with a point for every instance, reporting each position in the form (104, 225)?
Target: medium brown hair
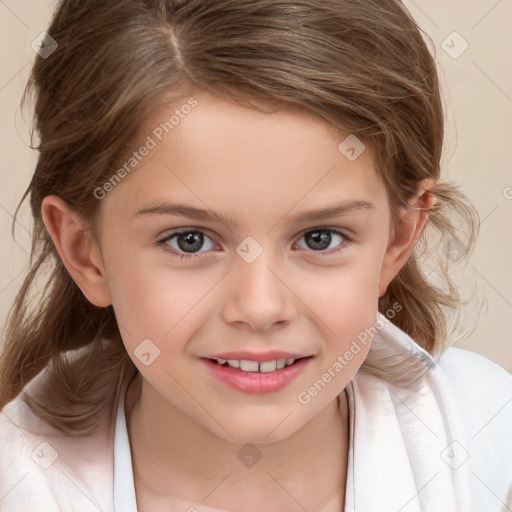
(363, 66)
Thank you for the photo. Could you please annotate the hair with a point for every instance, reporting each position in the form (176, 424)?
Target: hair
(363, 66)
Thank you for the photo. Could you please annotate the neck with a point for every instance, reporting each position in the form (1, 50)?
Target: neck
(175, 458)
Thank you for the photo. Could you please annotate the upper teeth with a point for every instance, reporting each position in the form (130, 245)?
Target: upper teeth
(254, 366)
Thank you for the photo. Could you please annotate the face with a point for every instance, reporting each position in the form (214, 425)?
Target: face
(256, 272)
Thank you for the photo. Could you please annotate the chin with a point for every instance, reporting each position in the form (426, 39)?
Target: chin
(258, 431)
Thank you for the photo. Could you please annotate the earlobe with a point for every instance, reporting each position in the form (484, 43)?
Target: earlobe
(77, 249)
(405, 236)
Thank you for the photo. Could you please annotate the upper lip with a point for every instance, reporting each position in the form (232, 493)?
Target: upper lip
(260, 357)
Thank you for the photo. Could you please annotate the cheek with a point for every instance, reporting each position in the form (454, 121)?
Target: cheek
(350, 288)
(346, 302)
(158, 312)
(151, 301)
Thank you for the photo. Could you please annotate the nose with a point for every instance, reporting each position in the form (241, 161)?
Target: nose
(259, 297)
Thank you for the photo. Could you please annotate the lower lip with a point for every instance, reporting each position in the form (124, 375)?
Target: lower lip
(257, 383)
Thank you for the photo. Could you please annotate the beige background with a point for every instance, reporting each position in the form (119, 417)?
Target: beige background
(478, 97)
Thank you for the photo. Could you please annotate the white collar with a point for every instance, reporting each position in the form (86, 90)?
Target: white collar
(124, 487)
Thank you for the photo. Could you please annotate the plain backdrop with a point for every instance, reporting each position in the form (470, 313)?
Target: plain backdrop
(473, 44)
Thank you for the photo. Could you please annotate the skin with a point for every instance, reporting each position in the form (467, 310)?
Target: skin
(261, 169)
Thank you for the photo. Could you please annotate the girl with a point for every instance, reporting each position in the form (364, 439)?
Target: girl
(232, 202)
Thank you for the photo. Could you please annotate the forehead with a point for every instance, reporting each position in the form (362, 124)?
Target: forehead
(219, 154)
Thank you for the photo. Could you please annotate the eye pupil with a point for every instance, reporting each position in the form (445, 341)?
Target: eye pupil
(193, 240)
(320, 239)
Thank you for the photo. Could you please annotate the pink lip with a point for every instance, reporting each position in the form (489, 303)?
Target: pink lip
(260, 357)
(256, 382)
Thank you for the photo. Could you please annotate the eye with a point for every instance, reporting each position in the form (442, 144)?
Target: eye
(188, 242)
(321, 238)
(185, 243)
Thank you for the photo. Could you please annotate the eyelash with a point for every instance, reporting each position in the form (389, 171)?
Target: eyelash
(164, 246)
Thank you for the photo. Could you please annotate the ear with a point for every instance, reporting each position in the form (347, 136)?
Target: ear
(77, 248)
(406, 234)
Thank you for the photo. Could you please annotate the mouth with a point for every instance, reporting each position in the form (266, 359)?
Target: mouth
(247, 365)
(256, 377)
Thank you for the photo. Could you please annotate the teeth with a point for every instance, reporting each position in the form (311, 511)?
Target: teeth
(268, 366)
(254, 366)
(248, 366)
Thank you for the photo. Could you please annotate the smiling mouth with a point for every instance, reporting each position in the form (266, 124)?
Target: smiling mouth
(245, 365)
(254, 377)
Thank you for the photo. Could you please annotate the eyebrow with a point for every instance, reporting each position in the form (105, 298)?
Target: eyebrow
(191, 212)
